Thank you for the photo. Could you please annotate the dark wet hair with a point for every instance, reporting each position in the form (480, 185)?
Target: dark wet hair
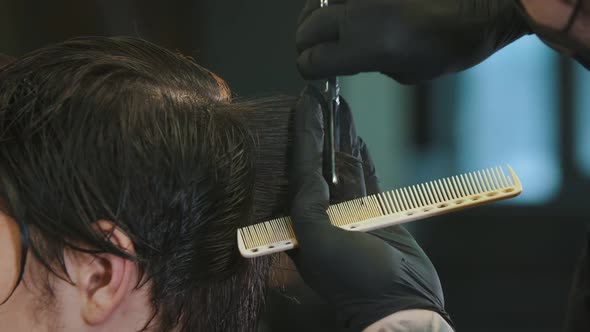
(123, 130)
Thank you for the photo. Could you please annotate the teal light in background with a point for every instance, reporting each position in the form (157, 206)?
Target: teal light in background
(582, 117)
(380, 107)
(508, 113)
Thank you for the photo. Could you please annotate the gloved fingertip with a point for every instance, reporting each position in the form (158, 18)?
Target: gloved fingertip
(303, 65)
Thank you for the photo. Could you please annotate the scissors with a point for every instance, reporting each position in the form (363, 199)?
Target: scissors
(332, 89)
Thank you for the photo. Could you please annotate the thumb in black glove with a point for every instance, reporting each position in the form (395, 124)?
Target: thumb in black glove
(409, 40)
(365, 276)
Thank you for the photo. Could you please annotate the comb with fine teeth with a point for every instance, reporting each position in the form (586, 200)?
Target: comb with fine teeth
(390, 208)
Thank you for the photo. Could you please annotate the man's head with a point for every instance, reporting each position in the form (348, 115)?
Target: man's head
(124, 174)
(562, 24)
(5, 60)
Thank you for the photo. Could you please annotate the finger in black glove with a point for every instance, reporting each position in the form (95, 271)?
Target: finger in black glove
(409, 40)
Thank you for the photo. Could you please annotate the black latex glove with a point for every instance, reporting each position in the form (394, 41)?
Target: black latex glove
(359, 273)
(409, 40)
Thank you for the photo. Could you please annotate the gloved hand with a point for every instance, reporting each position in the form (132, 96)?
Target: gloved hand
(409, 40)
(364, 275)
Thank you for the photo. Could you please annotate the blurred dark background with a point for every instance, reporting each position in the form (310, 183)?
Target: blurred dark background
(505, 267)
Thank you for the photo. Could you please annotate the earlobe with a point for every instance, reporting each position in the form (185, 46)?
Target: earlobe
(105, 280)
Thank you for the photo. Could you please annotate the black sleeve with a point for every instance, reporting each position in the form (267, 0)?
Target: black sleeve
(578, 313)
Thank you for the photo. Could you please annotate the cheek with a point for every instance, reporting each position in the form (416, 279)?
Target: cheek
(10, 255)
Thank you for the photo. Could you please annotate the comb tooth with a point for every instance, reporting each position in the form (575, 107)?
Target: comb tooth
(253, 236)
(344, 212)
(483, 184)
(420, 194)
(497, 178)
(384, 206)
(290, 227)
(334, 214)
(389, 202)
(398, 199)
(485, 180)
(470, 183)
(281, 236)
(348, 213)
(357, 207)
(246, 236)
(504, 177)
(373, 208)
(268, 235)
(440, 190)
(351, 208)
(265, 237)
(249, 237)
(500, 179)
(272, 234)
(436, 191)
(476, 182)
(394, 201)
(366, 208)
(491, 179)
(457, 186)
(407, 199)
(465, 186)
(258, 232)
(281, 229)
(410, 198)
(444, 191)
(498, 183)
(361, 208)
(370, 207)
(425, 189)
(403, 202)
(378, 212)
(415, 201)
(433, 192)
(449, 188)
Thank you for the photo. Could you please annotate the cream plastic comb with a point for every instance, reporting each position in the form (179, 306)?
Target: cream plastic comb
(390, 208)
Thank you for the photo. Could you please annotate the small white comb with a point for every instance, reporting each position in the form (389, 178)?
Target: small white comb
(390, 208)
